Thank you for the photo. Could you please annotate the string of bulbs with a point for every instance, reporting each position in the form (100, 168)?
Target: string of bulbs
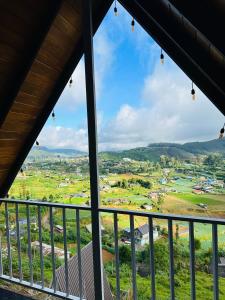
(53, 115)
(162, 58)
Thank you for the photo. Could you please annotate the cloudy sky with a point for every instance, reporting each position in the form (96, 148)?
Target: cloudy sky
(139, 101)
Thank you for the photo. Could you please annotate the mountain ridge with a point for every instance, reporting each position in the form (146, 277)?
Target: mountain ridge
(153, 151)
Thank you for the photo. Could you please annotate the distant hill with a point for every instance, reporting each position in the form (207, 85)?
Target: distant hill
(45, 152)
(150, 152)
(181, 151)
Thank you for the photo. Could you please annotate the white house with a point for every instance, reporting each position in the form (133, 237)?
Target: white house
(141, 235)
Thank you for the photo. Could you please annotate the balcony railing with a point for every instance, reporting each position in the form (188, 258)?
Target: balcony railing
(30, 220)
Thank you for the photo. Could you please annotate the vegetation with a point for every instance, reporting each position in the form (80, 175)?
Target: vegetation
(168, 178)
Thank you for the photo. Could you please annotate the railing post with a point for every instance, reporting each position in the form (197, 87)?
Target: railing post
(92, 142)
(215, 262)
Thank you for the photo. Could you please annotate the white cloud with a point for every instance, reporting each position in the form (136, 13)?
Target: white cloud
(164, 111)
(167, 113)
(63, 137)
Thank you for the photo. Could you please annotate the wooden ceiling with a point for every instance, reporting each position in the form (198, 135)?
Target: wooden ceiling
(41, 44)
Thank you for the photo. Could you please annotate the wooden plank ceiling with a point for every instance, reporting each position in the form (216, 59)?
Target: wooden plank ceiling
(41, 44)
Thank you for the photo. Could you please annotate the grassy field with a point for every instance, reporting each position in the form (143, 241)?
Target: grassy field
(210, 200)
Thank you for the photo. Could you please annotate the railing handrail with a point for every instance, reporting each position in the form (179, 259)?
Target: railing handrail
(131, 214)
(184, 218)
(48, 204)
(174, 217)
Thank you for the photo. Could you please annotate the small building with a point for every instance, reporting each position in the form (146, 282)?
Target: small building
(197, 187)
(126, 235)
(47, 250)
(221, 267)
(153, 195)
(59, 228)
(146, 206)
(104, 187)
(87, 276)
(163, 181)
(198, 192)
(207, 188)
(62, 184)
(202, 205)
(141, 235)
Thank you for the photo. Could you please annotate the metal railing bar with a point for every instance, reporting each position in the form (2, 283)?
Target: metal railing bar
(192, 260)
(215, 262)
(1, 265)
(79, 254)
(18, 243)
(152, 260)
(65, 252)
(29, 245)
(39, 288)
(117, 257)
(164, 216)
(52, 248)
(115, 212)
(48, 204)
(8, 239)
(121, 211)
(171, 259)
(133, 258)
(40, 246)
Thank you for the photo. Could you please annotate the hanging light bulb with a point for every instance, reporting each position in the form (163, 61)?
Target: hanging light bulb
(22, 172)
(70, 82)
(162, 57)
(222, 132)
(193, 92)
(115, 9)
(53, 115)
(132, 25)
(37, 143)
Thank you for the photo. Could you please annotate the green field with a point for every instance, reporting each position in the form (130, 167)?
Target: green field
(210, 200)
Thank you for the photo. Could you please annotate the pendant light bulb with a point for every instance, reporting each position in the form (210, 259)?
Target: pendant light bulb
(53, 115)
(162, 57)
(222, 132)
(37, 143)
(132, 25)
(115, 10)
(193, 92)
(22, 172)
(70, 82)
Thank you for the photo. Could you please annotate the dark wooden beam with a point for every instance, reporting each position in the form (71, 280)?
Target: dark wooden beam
(212, 18)
(183, 58)
(50, 104)
(93, 147)
(13, 87)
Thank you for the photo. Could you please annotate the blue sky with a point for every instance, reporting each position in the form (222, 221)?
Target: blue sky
(139, 101)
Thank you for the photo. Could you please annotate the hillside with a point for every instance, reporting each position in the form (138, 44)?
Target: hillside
(151, 152)
(44, 152)
(181, 151)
